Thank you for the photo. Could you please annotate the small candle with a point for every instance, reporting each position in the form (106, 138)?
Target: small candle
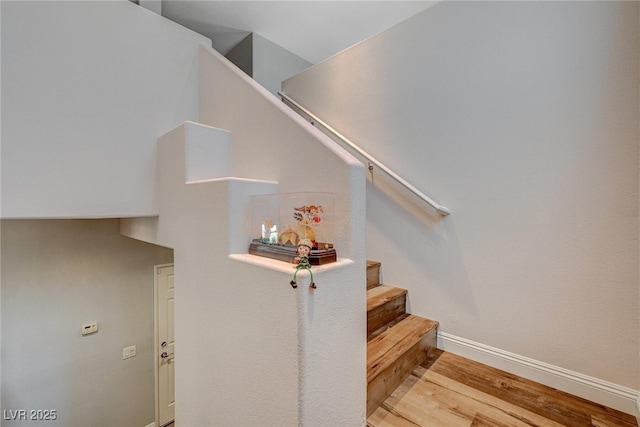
(273, 234)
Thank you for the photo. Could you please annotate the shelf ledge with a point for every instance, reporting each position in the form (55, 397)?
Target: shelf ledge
(285, 267)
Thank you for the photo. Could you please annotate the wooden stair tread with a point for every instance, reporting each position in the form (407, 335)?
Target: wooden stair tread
(387, 347)
(391, 324)
(382, 294)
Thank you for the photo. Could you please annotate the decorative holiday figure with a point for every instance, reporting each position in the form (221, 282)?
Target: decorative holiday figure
(309, 219)
(304, 249)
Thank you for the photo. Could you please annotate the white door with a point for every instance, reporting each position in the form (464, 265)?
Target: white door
(166, 344)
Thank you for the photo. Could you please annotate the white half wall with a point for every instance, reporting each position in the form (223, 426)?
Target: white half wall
(87, 89)
(272, 142)
(250, 350)
(523, 119)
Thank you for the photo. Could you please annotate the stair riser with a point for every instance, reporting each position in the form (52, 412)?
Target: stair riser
(388, 380)
(373, 275)
(381, 316)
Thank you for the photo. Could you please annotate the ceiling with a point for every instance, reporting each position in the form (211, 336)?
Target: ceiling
(313, 30)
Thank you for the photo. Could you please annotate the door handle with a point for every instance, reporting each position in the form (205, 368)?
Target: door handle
(164, 355)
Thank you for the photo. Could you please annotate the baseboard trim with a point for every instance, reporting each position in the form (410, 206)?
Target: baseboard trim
(153, 424)
(603, 392)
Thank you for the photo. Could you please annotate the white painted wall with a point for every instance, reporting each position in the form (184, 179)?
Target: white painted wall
(265, 61)
(313, 30)
(262, 336)
(522, 118)
(251, 350)
(152, 5)
(271, 142)
(267, 145)
(242, 55)
(58, 275)
(83, 104)
(79, 140)
(272, 64)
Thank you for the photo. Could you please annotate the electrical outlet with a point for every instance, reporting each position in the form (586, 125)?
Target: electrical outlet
(128, 352)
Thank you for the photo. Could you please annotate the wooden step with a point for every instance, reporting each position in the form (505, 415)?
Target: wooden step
(394, 354)
(384, 305)
(373, 274)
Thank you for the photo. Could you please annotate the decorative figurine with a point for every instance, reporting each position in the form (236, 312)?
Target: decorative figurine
(309, 219)
(304, 249)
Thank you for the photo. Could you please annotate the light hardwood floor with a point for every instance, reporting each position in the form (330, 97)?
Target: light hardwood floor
(451, 391)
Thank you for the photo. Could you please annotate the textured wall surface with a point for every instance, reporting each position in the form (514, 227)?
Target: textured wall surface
(522, 118)
(242, 330)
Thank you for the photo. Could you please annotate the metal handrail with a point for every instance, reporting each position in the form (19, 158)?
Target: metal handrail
(314, 120)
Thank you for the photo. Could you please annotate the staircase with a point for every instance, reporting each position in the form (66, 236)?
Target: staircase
(397, 342)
